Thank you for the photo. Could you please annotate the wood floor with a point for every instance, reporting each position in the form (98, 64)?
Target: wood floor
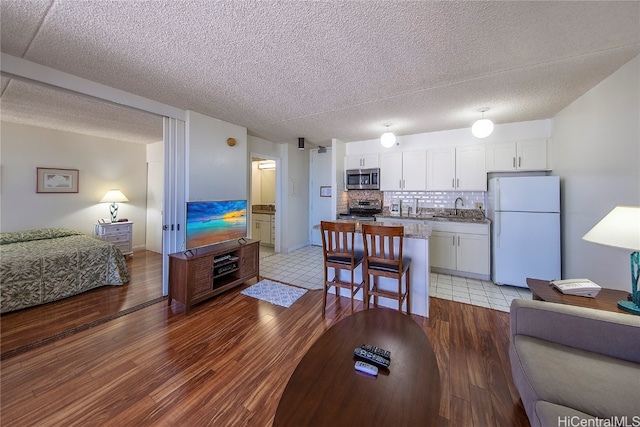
(31, 325)
(228, 361)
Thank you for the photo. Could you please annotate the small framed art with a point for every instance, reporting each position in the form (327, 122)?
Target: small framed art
(57, 180)
(325, 191)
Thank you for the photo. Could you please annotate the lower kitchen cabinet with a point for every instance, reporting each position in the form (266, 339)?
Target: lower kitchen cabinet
(262, 228)
(461, 249)
(456, 248)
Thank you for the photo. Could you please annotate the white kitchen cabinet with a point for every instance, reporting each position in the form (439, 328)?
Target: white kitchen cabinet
(273, 229)
(362, 161)
(261, 228)
(442, 249)
(441, 169)
(403, 171)
(471, 172)
(472, 253)
(456, 168)
(518, 156)
(460, 249)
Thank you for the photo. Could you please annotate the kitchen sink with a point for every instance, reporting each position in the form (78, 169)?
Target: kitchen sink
(447, 215)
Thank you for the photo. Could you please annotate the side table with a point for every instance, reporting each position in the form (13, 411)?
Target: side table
(607, 299)
(118, 233)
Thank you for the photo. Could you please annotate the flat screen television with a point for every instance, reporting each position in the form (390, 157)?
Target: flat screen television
(215, 222)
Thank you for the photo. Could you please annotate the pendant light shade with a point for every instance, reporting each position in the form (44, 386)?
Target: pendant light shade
(482, 128)
(388, 138)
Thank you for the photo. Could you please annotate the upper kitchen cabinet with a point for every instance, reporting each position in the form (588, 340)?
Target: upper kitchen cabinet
(361, 161)
(518, 156)
(456, 168)
(403, 171)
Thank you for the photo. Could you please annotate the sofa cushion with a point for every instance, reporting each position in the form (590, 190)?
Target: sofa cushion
(592, 383)
(550, 414)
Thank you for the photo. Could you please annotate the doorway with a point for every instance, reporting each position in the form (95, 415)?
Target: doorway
(264, 203)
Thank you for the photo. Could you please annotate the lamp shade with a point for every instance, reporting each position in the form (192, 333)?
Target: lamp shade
(114, 196)
(620, 229)
(387, 139)
(482, 128)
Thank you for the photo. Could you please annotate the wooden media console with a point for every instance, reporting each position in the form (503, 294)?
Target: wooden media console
(202, 273)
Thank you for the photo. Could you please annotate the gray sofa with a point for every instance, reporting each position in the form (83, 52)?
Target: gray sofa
(573, 363)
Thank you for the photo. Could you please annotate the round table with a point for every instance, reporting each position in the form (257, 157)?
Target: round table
(325, 389)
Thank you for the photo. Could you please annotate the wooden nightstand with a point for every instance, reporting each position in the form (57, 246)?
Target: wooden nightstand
(118, 233)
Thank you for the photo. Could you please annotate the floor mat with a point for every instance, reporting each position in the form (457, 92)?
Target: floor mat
(274, 292)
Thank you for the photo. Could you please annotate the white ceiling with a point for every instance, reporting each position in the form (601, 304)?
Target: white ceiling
(315, 69)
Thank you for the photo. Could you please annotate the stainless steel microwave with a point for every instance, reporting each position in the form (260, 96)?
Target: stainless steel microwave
(363, 179)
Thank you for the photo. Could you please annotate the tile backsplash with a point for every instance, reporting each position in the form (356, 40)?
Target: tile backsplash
(437, 199)
(426, 199)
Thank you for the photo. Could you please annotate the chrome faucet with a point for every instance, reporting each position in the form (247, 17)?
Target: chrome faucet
(455, 204)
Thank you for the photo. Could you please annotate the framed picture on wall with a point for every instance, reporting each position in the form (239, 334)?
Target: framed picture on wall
(325, 191)
(57, 180)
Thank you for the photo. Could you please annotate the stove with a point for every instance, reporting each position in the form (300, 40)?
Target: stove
(363, 210)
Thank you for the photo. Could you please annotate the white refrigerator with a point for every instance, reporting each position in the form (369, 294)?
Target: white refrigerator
(525, 228)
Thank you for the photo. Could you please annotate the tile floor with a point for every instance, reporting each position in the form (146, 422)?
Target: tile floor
(304, 268)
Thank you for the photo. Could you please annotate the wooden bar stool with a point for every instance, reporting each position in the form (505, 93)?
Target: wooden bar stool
(383, 258)
(339, 254)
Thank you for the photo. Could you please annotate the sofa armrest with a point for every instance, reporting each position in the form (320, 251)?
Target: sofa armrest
(608, 333)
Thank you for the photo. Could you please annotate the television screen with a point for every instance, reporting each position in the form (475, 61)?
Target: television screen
(214, 222)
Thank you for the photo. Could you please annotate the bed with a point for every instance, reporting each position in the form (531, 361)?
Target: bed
(44, 265)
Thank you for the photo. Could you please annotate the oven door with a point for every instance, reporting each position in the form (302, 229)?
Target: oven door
(356, 217)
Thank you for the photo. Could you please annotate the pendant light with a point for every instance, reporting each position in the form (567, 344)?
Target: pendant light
(388, 138)
(482, 128)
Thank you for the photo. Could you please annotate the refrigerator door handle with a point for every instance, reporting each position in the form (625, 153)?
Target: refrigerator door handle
(498, 194)
(497, 225)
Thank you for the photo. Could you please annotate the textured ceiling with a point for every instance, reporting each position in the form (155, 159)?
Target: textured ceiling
(316, 69)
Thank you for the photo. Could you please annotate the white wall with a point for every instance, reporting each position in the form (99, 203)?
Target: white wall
(102, 163)
(295, 203)
(536, 129)
(215, 171)
(263, 185)
(339, 196)
(596, 152)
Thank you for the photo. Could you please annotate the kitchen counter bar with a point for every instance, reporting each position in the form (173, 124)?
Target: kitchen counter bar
(443, 218)
(415, 246)
(414, 230)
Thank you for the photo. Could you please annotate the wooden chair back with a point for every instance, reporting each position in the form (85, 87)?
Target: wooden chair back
(383, 248)
(338, 243)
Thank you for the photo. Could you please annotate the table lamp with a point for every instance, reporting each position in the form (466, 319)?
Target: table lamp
(621, 229)
(114, 197)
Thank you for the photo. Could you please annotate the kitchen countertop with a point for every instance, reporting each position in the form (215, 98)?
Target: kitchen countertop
(414, 231)
(428, 217)
(263, 211)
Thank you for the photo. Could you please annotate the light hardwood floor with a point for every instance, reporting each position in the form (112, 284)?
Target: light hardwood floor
(228, 361)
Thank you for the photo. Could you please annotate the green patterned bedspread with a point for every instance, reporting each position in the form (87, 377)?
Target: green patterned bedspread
(39, 266)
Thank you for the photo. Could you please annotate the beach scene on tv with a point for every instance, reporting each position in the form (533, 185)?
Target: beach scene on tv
(213, 222)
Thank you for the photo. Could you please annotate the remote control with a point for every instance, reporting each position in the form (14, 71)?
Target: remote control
(366, 368)
(377, 350)
(369, 357)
